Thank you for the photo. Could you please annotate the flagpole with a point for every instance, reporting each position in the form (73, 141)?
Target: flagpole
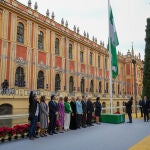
(110, 62)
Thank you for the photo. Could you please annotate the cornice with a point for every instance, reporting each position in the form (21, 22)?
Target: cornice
(52, 25)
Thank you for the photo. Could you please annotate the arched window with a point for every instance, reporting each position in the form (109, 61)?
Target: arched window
(41, 40)
(100, 87)
(106, 87)
(118, 109)
(91, 58)
(71, 85)
(70, 51)
(6, 109)
(98, 61)
(113, 88)
(57, 82)
(104, 107)
(20, 33)
(91, 86)
(82, 85)
(123, 103)
(40, 80)
(118, 89)
(19, 77)
(57, 46)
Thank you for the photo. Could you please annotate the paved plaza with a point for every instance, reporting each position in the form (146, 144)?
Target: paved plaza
(98, 137)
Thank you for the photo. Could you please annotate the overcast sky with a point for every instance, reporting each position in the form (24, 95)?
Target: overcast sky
(92, 16)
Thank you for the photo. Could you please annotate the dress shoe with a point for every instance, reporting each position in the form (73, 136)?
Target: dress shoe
(55, 132)
(35, 136)
(50, 133)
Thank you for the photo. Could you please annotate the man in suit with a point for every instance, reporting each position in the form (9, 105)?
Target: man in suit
(140, 105)
(129, 109)
(145, 106)
(84, 108)
(53, 112)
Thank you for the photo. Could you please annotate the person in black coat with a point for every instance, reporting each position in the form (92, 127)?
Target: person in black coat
(53, 112)
(140, 106)
(33, 115)
(90, 110)
(145, 107)
(98, 108)
(84, 108)
(73, 121)
(5, 86)
(129, 109)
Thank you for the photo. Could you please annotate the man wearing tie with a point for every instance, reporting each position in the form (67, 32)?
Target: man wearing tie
(53, 111)
(145, 106)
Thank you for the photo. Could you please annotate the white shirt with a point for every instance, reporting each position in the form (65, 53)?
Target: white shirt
(37, 110)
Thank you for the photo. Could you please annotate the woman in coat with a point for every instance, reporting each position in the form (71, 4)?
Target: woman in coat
(61, 114)
(97, 109)
(33, 115)
(43, 116)
(68, 110)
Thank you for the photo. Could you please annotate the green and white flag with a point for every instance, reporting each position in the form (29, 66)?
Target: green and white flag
(113, 42)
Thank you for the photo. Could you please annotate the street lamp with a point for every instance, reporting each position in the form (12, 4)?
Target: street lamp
(135, 90)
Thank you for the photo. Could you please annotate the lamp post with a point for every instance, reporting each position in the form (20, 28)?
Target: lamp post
(135, 90)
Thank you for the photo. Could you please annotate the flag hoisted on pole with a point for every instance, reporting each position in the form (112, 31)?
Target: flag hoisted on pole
(112, 43)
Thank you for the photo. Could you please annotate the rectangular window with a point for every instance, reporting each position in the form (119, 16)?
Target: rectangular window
(70, 51)
(105, 63)
(98, 61)
(90, 58)
(81, 57)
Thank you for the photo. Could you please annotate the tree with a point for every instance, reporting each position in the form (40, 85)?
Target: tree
(146, 74)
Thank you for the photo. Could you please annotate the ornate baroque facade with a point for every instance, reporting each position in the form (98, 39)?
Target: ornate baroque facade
(37, 53)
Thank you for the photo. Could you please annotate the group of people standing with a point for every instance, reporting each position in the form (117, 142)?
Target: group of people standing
(68, 113)
(144, 105)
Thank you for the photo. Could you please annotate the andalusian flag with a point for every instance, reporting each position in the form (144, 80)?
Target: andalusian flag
(113, 42)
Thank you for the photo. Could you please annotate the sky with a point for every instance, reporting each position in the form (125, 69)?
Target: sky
(92, 16)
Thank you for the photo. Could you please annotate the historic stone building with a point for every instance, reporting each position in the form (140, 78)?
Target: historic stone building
(37, 53)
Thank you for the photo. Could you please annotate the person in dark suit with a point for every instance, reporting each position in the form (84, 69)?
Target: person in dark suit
(53, 112)
(145, 106)
(98, 108)
(84, 108)
(129, 109)
(140, 106)
(73, 121)
(90, 110)
(33, 115)
(5, 86)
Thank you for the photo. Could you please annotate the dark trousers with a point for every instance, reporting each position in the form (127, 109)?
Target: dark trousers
(141, 110)
(79, 119)
(32, 128)
(52, 124)
(130, 117)
(84, 120)
(4, 90)
(89, 118)
(146, 115)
